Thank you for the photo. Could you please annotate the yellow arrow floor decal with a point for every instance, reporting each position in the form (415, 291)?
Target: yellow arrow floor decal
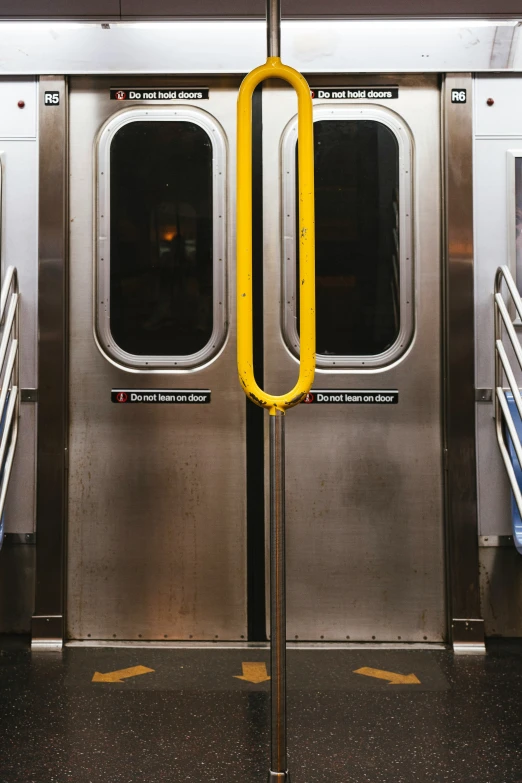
(253, 672)
(121, 675)
(392, 677)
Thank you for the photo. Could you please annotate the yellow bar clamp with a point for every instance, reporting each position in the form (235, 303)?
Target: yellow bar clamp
(274, 68)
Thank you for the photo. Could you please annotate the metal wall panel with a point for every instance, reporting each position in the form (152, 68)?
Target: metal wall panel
(462, 527)
(17, 570)
(365, 544)
(172, 9)
(491, 211)
(20, 249)
(17, 121)
(405, 8)
(157, 493)
(504, 117)
(494, 503)
(302, 9)
(501, 591)
(498, 129)
(491, 207)
(70, 9)
(19, 243)
(60, 9)
(52, 372)
(20, 510)
(319, 46)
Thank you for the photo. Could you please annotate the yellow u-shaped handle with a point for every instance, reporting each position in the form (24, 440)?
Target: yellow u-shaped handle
(274, 68)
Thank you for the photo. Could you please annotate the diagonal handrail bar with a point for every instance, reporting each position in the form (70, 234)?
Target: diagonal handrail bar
(9, 382)
(10, 284)
(504, 371)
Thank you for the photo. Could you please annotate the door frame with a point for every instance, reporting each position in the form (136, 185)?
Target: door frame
(466, 625)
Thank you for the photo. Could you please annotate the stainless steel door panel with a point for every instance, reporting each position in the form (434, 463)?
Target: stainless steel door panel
(365, 541)
(156, 538)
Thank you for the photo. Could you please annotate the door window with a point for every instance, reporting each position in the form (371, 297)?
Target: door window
(363, 218)
(160, 271)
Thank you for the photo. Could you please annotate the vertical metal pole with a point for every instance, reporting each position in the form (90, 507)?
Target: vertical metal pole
(273, 28)
(278, 760)
(278, 765)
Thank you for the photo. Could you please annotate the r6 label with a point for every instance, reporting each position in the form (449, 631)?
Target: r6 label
(458, 96)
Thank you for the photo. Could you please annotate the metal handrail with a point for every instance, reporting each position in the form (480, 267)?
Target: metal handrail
(503, 370)
(9, 381)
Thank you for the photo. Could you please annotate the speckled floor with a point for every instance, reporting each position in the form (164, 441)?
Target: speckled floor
(191, 719)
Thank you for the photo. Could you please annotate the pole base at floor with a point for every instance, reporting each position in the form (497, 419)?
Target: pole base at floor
(278, 777)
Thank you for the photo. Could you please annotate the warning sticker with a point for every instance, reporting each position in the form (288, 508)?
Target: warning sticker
(159, 93)
(352, 397)
(355, 93)
(161, 396)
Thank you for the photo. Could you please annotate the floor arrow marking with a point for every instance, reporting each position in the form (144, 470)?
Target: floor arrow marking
(392, 677)
(253, 672)
(121, 675)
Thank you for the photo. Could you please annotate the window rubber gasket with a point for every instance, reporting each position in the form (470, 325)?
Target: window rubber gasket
(351, 113)
(101, 316)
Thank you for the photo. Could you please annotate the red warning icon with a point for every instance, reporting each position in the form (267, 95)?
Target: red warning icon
(120, 95)
(309, 397)
(122, 397)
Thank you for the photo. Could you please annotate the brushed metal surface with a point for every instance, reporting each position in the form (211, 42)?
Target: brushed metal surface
(498, 132)
(20, 510)
(311, 46)
(503, 118)
(278, 738)
(468, 635)
(157, 530)
(15, 122)
(240, 9)
(310, 8)
(273, 28)
(20, 239)
(16, 588)
(496, 541)
(365, 543)
(60, 9)
(461, 484)
(501, 590)
(52, 405)
(19, 158)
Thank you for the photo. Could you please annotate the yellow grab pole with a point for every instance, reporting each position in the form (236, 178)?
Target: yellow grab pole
(274, 68)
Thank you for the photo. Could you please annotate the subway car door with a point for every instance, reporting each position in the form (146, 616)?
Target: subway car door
(364, 456)
(156, 536)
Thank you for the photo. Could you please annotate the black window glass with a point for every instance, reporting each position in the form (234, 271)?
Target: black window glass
(357, 237)
(161, 238)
